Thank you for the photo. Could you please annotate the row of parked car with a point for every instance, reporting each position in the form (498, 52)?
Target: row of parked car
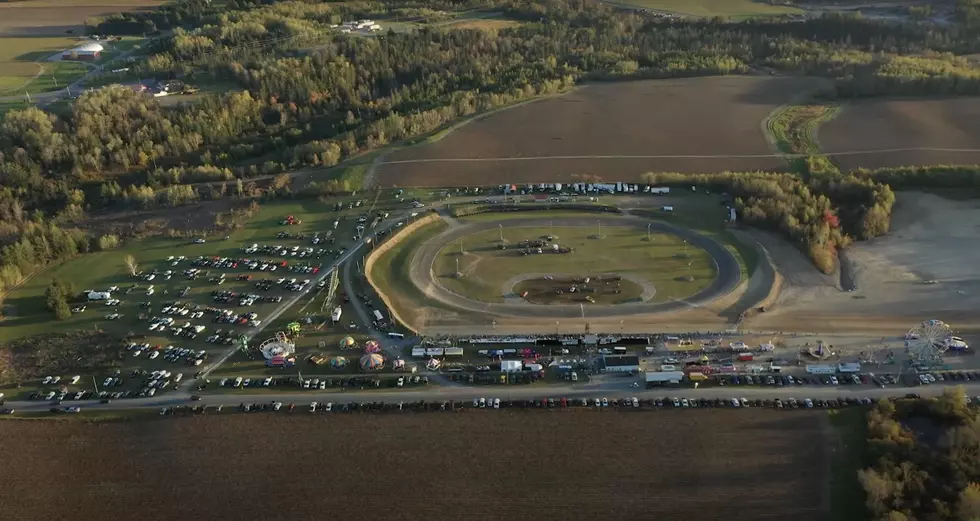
(781, 380)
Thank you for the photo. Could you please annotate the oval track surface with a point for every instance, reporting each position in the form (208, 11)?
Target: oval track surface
(728, 275)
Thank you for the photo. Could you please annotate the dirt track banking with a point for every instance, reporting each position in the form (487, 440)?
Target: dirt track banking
(422, 275)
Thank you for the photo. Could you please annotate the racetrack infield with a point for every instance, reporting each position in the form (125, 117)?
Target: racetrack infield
(696, 117)
(893, 125)
(542, 465)
(423, 277)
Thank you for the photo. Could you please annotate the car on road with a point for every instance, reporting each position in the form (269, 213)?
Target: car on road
(312, 406)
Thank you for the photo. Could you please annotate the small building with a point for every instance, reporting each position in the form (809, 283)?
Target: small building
(851, 367)
(88, 51)
(619, 363)
(660, 378)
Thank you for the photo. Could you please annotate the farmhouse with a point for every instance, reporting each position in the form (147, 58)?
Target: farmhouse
(619, 363)
(88, 51)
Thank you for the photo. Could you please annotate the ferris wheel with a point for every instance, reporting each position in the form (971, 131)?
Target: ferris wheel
(927, 342)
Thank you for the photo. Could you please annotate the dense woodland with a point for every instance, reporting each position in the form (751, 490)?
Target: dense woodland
(295, 93)
(925, 460)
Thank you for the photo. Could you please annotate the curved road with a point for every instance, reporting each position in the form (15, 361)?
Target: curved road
(727, 279)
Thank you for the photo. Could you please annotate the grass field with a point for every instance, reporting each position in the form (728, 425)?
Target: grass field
(611, 131)
(751, 465)
(621, 250)
(708, 8)
(24, 65)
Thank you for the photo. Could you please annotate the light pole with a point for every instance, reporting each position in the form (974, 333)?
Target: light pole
(556, 328)
(501, 226)
(648, 231)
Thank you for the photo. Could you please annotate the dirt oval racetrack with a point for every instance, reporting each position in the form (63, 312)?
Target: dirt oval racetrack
(702, 122)
(727, 269)
(730, 465)
(906, 132)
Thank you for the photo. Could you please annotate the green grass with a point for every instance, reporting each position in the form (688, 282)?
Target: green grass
(846, 494)
(704, 213)
(732, 8)
(794, 128)
(622, 250)
(24, 65)
(390, 274)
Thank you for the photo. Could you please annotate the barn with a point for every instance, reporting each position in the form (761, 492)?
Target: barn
(88, 51)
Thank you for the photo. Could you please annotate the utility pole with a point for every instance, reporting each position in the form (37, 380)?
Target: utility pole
(648, 231)
(55, 82)
(96, 384)
(460, 245)
(556, 327)
(501, 226)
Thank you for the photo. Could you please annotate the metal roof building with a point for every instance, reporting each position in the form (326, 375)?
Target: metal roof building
(619, 363)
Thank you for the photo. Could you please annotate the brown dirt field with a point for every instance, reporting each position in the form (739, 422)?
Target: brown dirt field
(698, 117)
(54, 17)
(718, 464)
(902, 124)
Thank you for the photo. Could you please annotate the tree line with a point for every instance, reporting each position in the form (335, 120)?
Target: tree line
(820, 215)
(924, 460)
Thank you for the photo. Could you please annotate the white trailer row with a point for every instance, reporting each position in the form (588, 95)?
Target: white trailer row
(592, 188)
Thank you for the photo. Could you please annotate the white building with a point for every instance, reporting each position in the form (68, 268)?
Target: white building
(86, 51)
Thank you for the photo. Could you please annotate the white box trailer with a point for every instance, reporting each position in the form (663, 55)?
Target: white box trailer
(660, 190)
(418, 352)
(852, 367)
(821, 368)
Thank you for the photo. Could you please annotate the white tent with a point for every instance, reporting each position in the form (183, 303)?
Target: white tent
(511, 366)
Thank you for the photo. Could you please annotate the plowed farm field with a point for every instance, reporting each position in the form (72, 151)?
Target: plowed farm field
(609, 131)
(906, 132)
(542, 465)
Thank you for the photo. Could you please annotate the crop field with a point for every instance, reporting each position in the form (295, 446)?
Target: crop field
(56, 17)
(732, 8)
(571, 464)
(609, 131)
(903, 129)
(487, 272)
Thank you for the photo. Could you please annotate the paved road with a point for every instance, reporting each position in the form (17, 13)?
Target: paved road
(603, 387)
(422, 276)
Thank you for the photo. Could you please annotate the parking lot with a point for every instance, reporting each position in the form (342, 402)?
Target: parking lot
(197, 295)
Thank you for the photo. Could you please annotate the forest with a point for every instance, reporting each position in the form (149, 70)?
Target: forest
(296, 93)
(924, 460)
